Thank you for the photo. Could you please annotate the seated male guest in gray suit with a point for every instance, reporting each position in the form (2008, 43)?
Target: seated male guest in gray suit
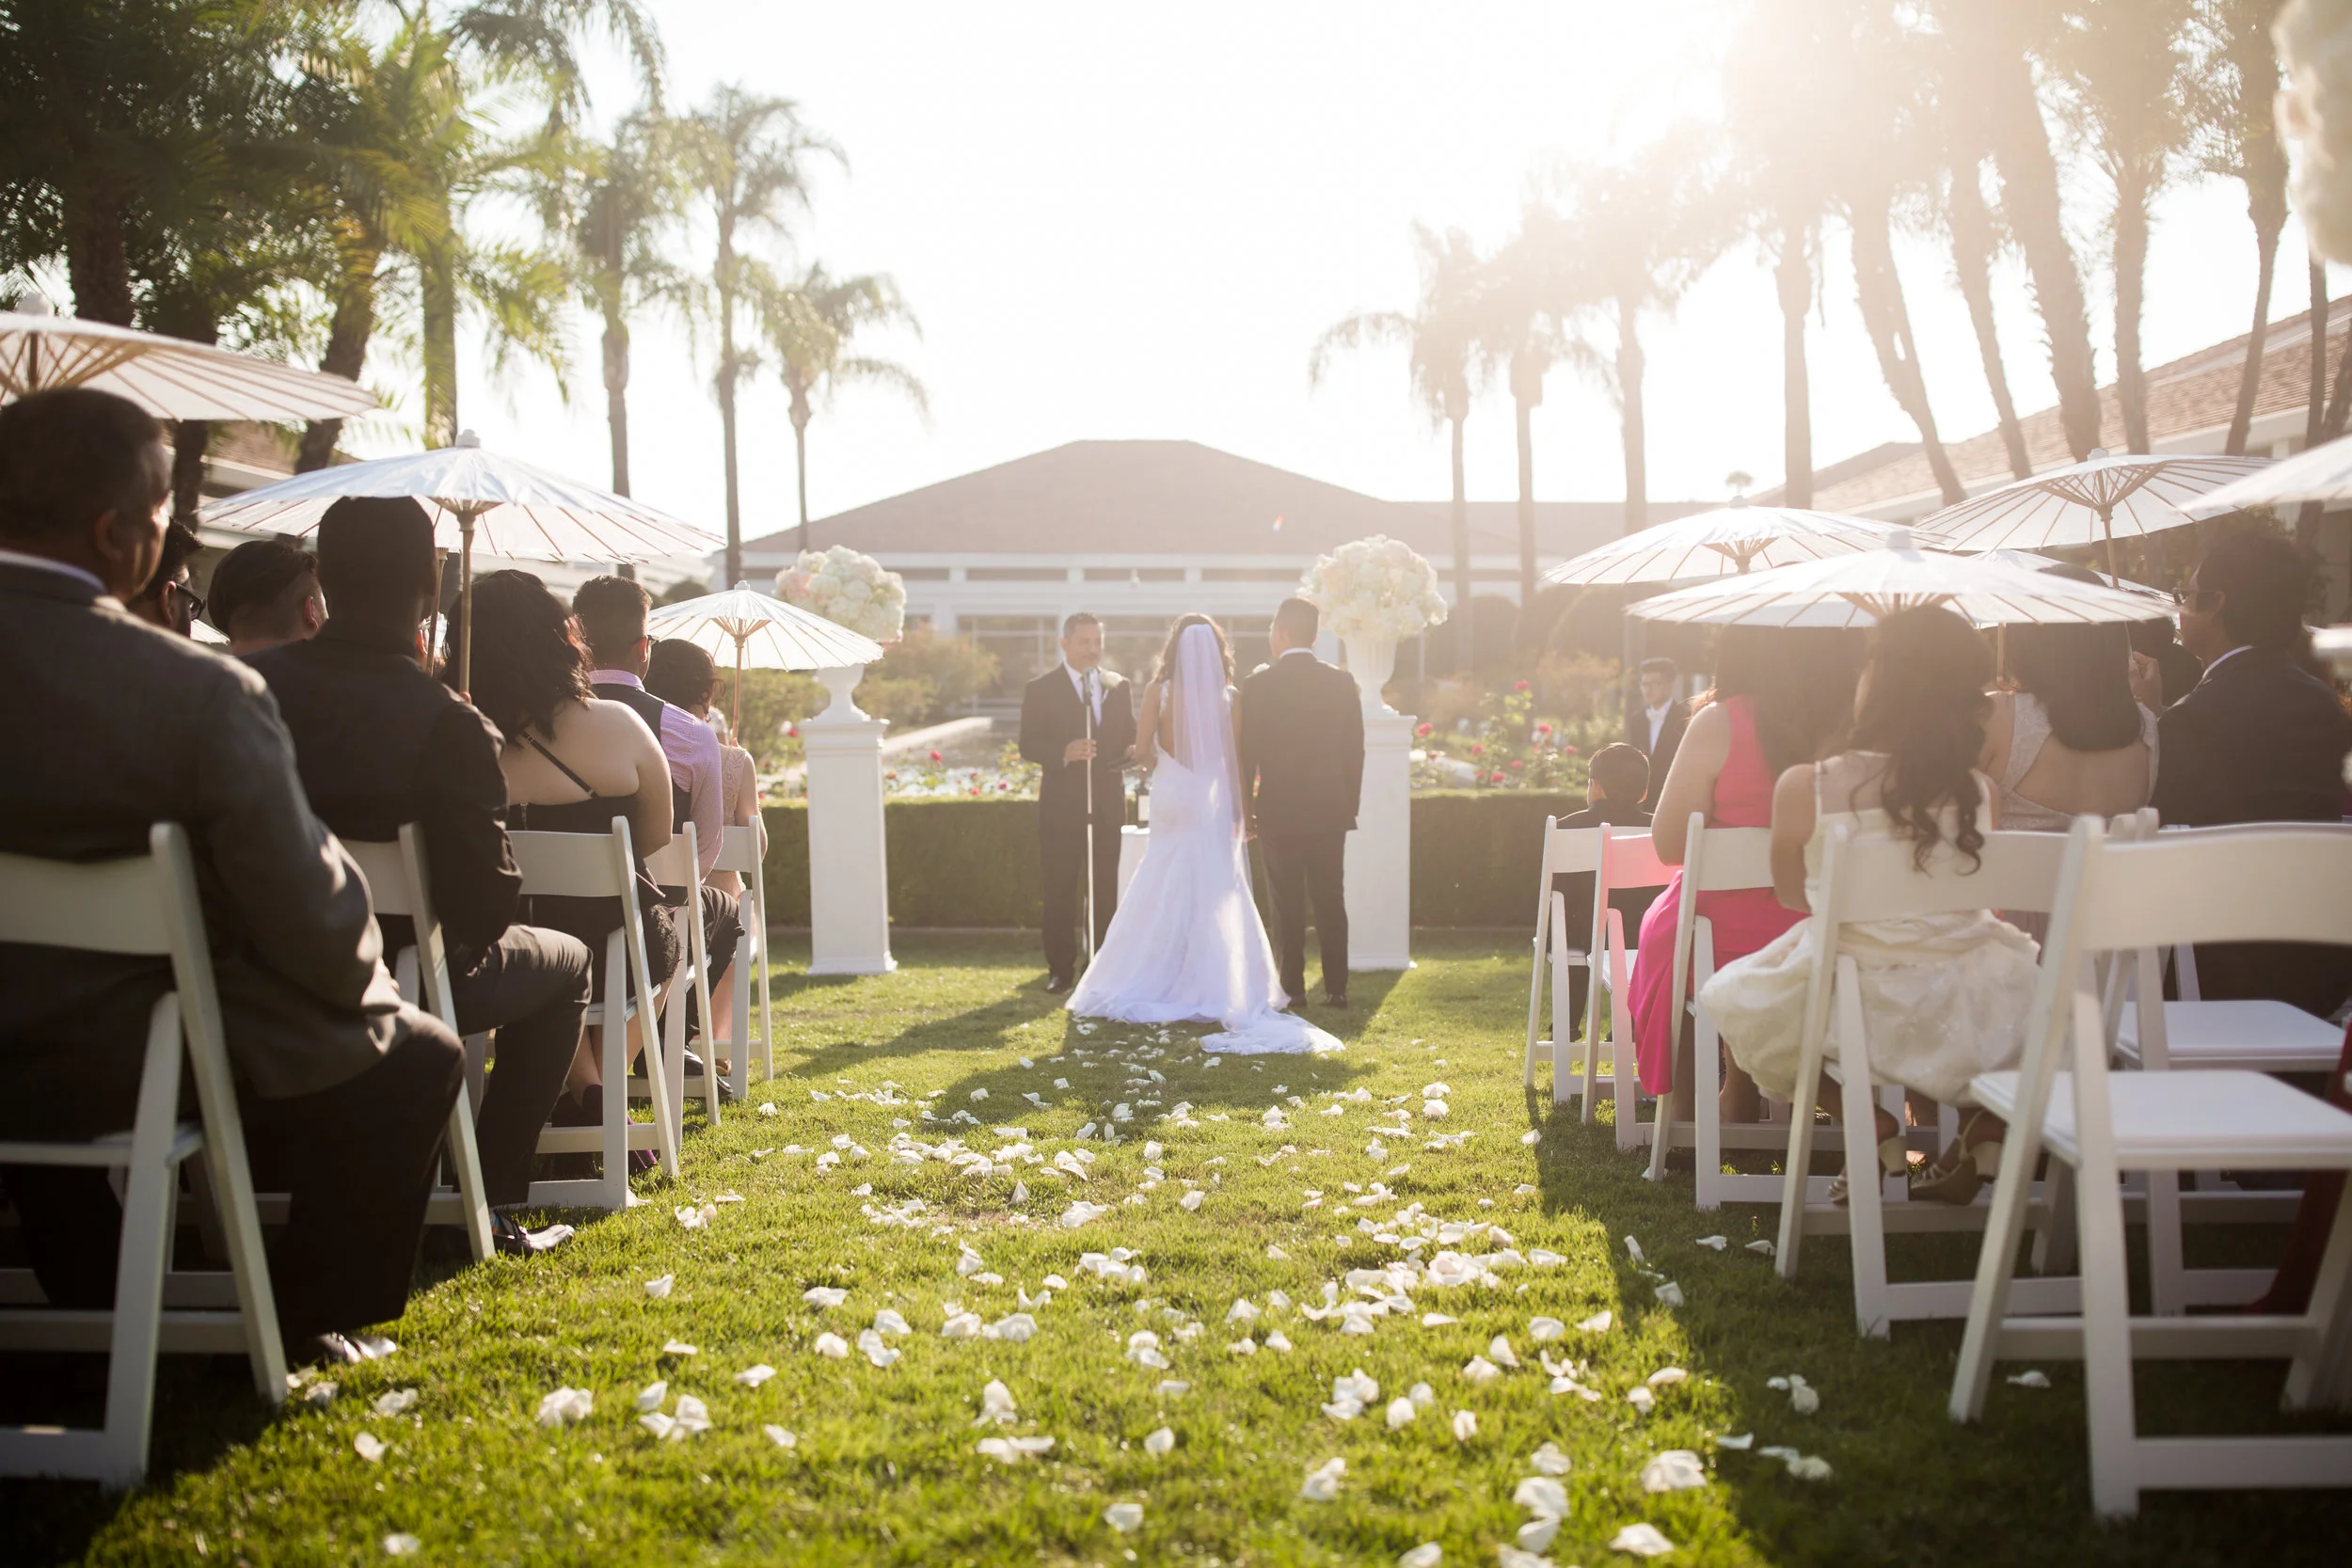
(381, 743)
(118, 726)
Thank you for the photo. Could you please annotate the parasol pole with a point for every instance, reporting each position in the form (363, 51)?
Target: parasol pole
(2106, 526)
(433, 632)
(465, 516)
(735, 719)
(1086, 702)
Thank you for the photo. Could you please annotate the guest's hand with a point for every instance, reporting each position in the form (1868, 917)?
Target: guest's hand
(1078, 750)
(2147, 682)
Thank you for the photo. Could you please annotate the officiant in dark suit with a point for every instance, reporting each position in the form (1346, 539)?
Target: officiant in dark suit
(1302, 777)
(1655, 728)
(1059, 710)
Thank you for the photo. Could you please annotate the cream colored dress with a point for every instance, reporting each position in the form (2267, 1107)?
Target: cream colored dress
(1943, 996)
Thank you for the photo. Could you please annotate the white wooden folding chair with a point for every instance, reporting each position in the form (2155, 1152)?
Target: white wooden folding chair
(677, 867)
(144, 905)
(1565, 852)
(397, 884)
(2284, 886)
(1868, 877)
(602, 866)
(1716, 860)
(738, 852)
(1626, 863)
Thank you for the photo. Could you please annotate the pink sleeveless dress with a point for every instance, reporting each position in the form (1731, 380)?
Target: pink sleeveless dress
(1745, 920)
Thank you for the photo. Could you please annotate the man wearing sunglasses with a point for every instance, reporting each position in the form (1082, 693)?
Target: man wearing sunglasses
(2259, 739)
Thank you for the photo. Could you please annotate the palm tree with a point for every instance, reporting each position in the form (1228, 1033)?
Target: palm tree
(1976, 239)
(1991, 76)
(1647, 228)
(1525, 296)
(809, 325)
(1441, 337)
(2239, 138)
(2126, 65)
(615, 202)
(745, 153)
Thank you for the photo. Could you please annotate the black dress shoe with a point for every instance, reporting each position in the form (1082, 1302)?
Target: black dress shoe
(1339, 1001)
(1056, 984)
(508, 1236)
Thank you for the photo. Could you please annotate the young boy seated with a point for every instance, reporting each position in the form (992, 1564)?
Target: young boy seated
(1620, 777)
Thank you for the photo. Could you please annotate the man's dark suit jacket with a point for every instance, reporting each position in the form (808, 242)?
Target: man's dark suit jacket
(1052, 715)
(1302, 747)
(1669, 739)
(2260, 739)
(117, 726)
(382, 743)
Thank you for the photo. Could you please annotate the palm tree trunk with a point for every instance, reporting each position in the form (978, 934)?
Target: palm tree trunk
(189, 438)
(1523, 409)
(2267, 205)
(1631, 366)
(1465, 631)
(346, 356)
(1972, 263)
(439, 288)
(2020, 145)
(616, 392)
(1793, 273)
(2131, 268)
(98, 255)
(1878, 289)
(2315, 418)
(800, 473)
(730, 370)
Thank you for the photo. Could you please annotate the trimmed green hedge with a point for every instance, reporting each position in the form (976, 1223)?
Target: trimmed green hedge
(973, 863)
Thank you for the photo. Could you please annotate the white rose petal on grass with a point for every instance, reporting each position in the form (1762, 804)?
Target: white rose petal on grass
(1641, 1541)
(651, 1396)
(1243, 1347)
(996, 1406)
(394, 1403)
(767, 1107)
(1427, 1555)
(831, 1346)
(890, 1320)
(1152, 1151)
(780, 1438)
(369, 1447)
(1803, 1398)
(1743, 1440)
(1479, 1372)
(1323, 1482)
(962, 1325)
(1171, 1389)
(824, 1296)
(658, 1290)
(1633, 1250)
(1500, 1352)
(1125, 1517)
(692, 1417)
(1549, 1460)
(1543, 1497)
(876, 1349)
(1807, 1466)
(1545, 1330)
(657, 1423)
(1669, 1294)
(2034, 1379)
(1666, 1376)
(1465, 1426)
(680, 1347)
(1192, 1201)
(1641, 1400)
(1081, 1211)
(1160, 1442)
(1714, 1244)
(1437, 1319)
(1018, 1328)
(564, 1405)
(1762, 1249)
(1401, 1412)
(1675, 1470)
(1242, 1311)
(1532, 1137)
(1422, 1395)
(1511, 1557)
(752, 1377)
(1538, 1533)
(400, 1544)
(1597, 1323)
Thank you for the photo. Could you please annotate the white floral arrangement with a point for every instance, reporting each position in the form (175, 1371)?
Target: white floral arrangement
(1377, 587)
(849, 590)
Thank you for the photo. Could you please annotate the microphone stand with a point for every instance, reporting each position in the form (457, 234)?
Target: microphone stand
(1086, 702)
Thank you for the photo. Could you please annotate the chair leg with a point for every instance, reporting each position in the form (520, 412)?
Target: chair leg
(615, 1052)
(2107, 1396)
(2167, 1284)
(1535, 991)
(767, 1001)
(739, 1030)
(1707, 1091)
(2321, 1375)
(468, 1159)
(1624, 1078)
(1866, 1223)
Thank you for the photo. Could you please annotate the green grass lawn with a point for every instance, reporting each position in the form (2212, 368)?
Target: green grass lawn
(885, 1466)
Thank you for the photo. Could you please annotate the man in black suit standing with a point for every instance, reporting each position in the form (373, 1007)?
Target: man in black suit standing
(1059, 710)
(2258, 739)
(1655, 728)
(1302, 777)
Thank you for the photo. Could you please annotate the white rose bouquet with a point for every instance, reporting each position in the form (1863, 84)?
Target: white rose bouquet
(848, 588)
(1377, 587)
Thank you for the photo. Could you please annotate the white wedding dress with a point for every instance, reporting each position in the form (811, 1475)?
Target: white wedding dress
(1186, 944)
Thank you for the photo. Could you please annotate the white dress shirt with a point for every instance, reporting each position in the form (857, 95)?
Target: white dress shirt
(1088, 684)
(2224, 660)
(1658, 722)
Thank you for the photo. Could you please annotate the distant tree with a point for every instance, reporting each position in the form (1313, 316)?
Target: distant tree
(1441, 334)
(1526, 296)
(810, 324)
(2237, 137)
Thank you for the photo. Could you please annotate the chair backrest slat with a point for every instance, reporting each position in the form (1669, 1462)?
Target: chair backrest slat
(738, 851)
(1723, 859)
(1569, 849)
(673, 864)
(94, 905)
(386, 874)
(2277, 883)
(1880, 879)
(567, 865)
(1629, 860)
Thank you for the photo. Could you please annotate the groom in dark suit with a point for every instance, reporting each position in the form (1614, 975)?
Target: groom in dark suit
(1302, 775)
(1054, 726)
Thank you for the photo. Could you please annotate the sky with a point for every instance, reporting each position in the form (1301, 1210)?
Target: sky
(1135, 221)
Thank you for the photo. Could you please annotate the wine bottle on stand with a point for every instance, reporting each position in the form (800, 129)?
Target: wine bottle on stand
(1143, 801)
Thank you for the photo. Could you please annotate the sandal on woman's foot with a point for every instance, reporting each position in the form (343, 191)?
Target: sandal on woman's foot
(1959, 1174)
(1894, 1159)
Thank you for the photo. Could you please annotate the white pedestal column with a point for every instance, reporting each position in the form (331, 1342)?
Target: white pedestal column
(849, 862)
(1380, 850)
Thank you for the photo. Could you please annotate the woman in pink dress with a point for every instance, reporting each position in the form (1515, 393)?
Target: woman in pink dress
(1780, 698)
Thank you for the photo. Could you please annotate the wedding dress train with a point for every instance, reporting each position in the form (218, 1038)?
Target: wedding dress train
(1186, 944)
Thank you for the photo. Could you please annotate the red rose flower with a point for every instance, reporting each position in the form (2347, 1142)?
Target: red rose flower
(1516, 765)
(1496, 779)
(1426, 729)
(793, 730)
(1478, 750)
(1519, 685)
(1568, 751)
(1543, 729)
(935, 757)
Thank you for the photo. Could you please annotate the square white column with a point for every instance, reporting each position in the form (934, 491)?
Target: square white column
(1380, 850)
(848, 861)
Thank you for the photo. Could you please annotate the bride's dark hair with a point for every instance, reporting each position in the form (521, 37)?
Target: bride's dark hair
(1166, 669)
(1923, 706)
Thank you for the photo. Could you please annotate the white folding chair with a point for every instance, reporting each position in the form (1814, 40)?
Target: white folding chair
(738, 852)
(677, 867)
(146, 905)
(1716, 860)
(601, 866)
(2284, 885)
(1565, 852)
(1626, 863)
(397, 884)
(1868, 877)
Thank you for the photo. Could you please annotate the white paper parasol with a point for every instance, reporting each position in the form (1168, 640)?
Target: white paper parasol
(1726, 541)
(508, 508)
(2322, 474)
(170, 378)
(2162, 602)
(2091, 502)
(1855, 590)
(762, 633)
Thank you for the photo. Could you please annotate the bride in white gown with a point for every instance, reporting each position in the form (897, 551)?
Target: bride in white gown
(1186, 942)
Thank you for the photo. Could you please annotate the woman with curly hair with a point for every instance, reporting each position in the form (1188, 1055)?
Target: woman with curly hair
(1943, 996)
